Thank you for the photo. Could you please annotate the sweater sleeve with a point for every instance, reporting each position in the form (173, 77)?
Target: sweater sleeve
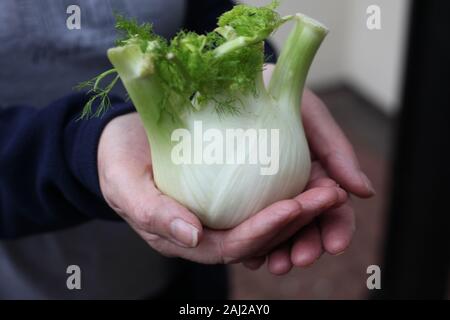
(48, 166)
(202, 15)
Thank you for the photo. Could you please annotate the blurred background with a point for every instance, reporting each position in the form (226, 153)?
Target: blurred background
(362, 76)
(388, 88)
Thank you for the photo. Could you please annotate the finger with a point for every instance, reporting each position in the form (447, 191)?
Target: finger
(313, 201)
(332, 148)
(207, 251)
(147, 209)
(167, 218)
(319, 178)
(279, 262)
(254, 263)
(239, 243)
(253, 234)
(310, 235)
(307, 246)
(337, 228)
(317, 200)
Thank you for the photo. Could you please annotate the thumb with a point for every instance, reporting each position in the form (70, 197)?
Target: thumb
(126, 181)
(150, 211)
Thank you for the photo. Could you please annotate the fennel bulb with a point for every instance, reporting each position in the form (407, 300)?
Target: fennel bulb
(216, 80)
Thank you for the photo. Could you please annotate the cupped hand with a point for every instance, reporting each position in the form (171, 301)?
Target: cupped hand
(334, 163)
(126, 181)
(330, 231)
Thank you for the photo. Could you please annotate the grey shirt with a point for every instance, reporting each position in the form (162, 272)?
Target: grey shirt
(40, 61)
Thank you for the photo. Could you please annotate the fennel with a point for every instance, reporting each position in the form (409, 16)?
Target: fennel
(216, 78)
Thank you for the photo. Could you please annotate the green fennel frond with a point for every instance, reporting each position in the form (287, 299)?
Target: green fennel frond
(97, 92)
(130, 29)
(221, 63)
(251, 21)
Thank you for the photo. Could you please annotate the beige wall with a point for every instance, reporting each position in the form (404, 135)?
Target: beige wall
(372, 61)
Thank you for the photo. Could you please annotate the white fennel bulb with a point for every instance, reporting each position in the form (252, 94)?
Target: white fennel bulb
(207, 85)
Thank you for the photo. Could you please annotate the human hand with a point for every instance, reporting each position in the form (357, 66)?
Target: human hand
(334, 163)
(331, 231)
(126, 181)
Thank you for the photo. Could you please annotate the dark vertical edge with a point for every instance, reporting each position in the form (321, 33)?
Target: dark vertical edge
(416, 249)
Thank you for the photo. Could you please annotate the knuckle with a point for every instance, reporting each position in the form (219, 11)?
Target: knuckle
(335, 195)
(288, 207)
(221, 252)
(110, 176)
(151, 214)
(224, 251)
(152, 237)
(144, 217)
(329, 198)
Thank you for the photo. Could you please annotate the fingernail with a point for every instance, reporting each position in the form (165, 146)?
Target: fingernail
(367, 183)
(184, 233)
(339, 253)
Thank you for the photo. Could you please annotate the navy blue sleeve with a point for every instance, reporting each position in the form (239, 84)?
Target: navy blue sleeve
(202, 15)
(48, 166)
